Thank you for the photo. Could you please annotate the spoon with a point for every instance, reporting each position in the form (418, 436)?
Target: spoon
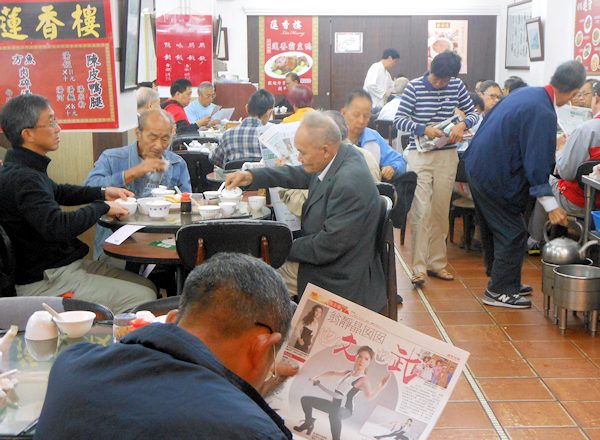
(221, 187)
(177, 190)
(53, 312)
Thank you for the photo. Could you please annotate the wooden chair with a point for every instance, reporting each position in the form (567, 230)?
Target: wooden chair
(199, 166)
(264, 239)
(464, 208)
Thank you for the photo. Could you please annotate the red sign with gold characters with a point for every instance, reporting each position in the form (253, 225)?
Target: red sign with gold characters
(63, 50)
(288, 44)
(587, 35)
(183, 48)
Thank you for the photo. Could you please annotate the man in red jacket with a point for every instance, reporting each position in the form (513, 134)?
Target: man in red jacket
(181, 95)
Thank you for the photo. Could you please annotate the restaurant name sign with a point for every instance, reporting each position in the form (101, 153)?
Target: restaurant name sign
(62, 50)
(288, 44)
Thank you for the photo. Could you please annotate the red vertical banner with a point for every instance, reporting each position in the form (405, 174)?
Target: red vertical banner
(288, 44)
(63, 50)
(587, 34)
(183, 48)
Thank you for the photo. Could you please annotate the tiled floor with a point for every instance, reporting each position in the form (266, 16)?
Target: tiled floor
(537, 383)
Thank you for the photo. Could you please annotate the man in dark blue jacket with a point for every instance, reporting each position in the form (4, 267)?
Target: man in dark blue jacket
(508, 161)
(197, 379)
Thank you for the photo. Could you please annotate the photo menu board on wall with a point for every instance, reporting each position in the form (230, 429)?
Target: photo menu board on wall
(62, 50)
(587, 35)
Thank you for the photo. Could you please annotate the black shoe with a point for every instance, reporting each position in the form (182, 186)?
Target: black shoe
(525, 290)
(514, 301)
(307, 425)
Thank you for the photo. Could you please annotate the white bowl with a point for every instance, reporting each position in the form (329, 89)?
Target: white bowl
(210, 195)
(142, 204)
(130, 204)
(158, 192)
(158, 208)
(208, 212)
(233, 192)
(228, 208)
(76, 323)
(256, 203)
(40, 327)
(234, 199)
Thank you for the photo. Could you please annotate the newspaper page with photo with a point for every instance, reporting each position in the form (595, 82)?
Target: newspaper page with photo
(570, 117)
(361, 375)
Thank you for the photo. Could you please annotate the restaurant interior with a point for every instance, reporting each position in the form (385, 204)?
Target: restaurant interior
(531, 373)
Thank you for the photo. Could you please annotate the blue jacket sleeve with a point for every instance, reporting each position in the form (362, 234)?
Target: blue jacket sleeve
(103, 175)
(391, 157)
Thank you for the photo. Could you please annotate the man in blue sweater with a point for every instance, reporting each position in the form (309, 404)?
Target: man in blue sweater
(508, 161)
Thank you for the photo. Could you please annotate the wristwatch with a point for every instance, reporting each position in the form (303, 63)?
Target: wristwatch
(103, 191)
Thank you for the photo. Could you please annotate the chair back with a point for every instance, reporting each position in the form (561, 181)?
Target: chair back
(199, 166)
(405, 191)
(387, 189)
(235, 164)
(264, 239)
(385, 248)
(178, 141)
(386, 129)
(17, 310)
(461, 172)
(159, 306)
(7, 265)
(585, 168)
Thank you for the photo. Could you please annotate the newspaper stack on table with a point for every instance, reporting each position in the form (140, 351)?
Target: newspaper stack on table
(402, 389)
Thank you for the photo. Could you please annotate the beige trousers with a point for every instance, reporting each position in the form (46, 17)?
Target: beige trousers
(289, 273)
(96, 282)
(428, 215)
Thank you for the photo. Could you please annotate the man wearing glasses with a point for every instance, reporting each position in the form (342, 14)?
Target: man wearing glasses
(202, 109)
(583, 98)
(197, 377)
(49, 257)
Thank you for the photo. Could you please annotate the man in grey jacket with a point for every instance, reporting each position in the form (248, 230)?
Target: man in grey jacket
(336, 249)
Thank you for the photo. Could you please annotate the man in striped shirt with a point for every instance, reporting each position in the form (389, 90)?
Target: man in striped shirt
(427, 101)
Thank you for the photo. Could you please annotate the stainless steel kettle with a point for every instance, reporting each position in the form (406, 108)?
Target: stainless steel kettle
(564, 250)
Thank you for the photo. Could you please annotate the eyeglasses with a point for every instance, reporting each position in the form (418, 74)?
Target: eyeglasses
(493, 95)
(274, 372)
(210, 95)
(51, 124)
(581, 95)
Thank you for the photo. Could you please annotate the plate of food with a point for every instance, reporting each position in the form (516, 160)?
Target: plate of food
(174, 199)
(587, 51)
(579, 38)
(596, 36)
(579, 59)
(587, 24)
(278, 66)
(595, 62)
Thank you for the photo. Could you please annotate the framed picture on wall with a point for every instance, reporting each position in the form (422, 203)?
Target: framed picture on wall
(517, 52)
(535, 39)
(129, 32)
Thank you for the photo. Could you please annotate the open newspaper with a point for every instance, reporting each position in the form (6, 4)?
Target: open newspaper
(570, 117)
(426, 143)
(361, 375)
(278, 149)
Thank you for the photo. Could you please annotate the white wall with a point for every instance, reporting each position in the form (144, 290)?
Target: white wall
(558, 22)
(234, 13)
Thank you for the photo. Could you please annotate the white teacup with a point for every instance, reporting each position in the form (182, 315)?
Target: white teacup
(208, 212)
(256, 203)
(228, 208)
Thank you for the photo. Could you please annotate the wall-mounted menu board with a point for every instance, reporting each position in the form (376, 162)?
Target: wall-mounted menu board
(63, 50)
(587, 35)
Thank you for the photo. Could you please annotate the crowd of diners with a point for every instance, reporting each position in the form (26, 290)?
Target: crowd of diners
(206, 368)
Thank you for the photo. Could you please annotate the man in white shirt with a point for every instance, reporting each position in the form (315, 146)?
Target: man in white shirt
(378, 81)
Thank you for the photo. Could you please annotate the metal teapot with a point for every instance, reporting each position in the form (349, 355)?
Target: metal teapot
(564, 250)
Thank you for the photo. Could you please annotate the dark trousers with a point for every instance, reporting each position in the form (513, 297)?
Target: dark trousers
(332, 407)
(504, 240)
